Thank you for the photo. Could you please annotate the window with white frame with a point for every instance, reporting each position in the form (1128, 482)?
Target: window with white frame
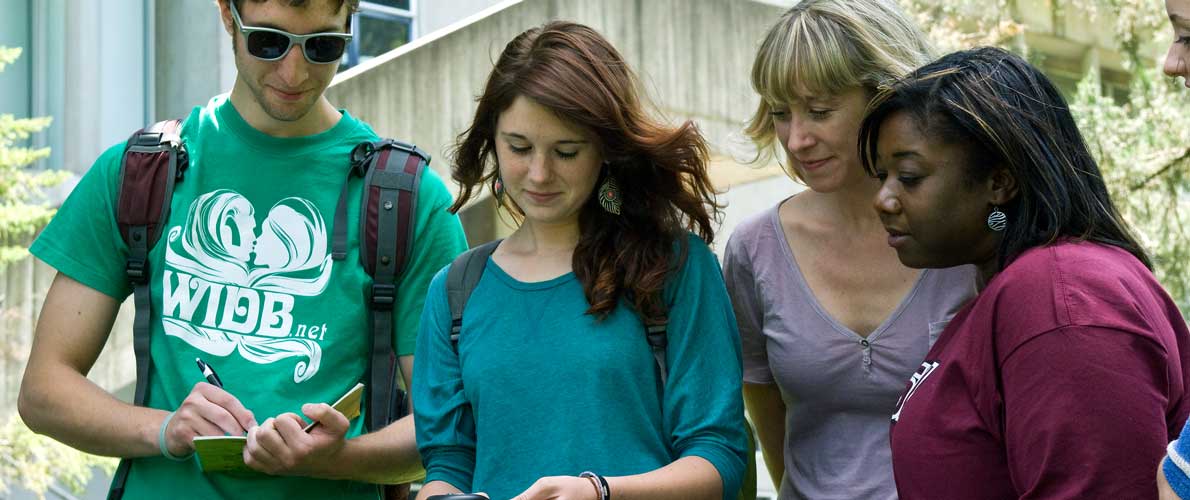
(380, 26)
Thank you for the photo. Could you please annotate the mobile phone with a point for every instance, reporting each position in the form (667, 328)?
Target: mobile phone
(457, 496)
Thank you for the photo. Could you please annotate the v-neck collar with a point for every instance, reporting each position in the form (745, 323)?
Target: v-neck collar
(775, 219)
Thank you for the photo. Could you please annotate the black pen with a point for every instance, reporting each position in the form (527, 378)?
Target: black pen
(209, 373)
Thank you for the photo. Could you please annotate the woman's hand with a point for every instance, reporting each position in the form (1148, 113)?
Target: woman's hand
(561, 488)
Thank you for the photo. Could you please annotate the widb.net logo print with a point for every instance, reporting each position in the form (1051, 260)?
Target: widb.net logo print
(229, 285)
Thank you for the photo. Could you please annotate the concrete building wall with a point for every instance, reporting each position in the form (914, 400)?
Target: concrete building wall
(83, 65)
(747, 199)
(692, 56)
(193, 59)
(104, 69)
(687, 53)
(434, 15)
(14, 79)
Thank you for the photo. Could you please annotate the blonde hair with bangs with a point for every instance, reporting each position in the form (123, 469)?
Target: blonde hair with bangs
(824, 47)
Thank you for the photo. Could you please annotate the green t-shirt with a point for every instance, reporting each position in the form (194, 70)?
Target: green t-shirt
(243, 278)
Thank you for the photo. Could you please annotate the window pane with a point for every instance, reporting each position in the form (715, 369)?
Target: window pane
(380, 35)
(400, 4)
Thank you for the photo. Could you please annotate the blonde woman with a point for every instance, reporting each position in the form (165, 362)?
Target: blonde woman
(833, 325)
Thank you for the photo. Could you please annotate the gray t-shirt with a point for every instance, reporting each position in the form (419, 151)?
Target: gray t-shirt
(839, 388)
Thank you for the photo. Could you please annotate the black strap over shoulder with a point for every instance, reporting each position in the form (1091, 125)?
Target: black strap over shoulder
(154, 160)
(391, 171)
(392, 174)
(657, 332)
(461, 280)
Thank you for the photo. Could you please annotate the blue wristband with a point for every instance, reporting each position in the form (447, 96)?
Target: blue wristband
(1176, 469)
(161, 441)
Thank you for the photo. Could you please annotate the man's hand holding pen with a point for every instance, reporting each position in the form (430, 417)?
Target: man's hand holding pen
(284, 445)
(207, 411)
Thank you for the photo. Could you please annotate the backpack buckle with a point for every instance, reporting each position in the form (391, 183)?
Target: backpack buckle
(655, 334)
(148, 140)
(360, 156)
(383, 296)
(406, 147)
(137, 271)
(183, 162)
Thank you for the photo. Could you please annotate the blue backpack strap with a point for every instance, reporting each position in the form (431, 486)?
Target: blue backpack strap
(154, 160)
(461, 280)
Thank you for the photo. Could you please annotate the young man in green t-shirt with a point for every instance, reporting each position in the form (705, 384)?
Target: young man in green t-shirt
(243, 278)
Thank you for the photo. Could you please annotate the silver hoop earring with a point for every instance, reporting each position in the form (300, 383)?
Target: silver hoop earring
(997, 220)
(610, 196)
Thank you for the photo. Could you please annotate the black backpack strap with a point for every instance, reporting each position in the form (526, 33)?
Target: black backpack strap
(656, 332)
(361, 157)
(392, 175)
(461, 280)
(154, 159)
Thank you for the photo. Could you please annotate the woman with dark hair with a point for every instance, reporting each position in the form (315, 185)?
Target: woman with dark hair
(1067, 374)
(830, 322)
(552, 375)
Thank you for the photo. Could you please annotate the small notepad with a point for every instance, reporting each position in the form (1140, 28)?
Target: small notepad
(226, 453)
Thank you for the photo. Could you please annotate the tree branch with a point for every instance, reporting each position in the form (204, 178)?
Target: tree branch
(1164, 168)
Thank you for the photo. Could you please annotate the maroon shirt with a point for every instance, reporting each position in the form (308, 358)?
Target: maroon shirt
(1064, 378)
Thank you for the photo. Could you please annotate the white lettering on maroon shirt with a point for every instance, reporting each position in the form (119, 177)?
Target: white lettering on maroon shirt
(927, 367)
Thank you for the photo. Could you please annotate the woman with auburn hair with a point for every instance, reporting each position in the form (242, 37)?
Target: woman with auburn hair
(552, 375)
(1068, 373)
(831, 323)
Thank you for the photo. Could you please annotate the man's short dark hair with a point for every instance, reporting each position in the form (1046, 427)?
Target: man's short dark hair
(352, 5)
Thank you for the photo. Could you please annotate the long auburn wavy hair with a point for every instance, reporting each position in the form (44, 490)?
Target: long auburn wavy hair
(572, 70)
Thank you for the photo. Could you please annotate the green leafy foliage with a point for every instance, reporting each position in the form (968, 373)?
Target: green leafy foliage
(35, 462)
(22, 212)
(8, 55)
(1143, 147)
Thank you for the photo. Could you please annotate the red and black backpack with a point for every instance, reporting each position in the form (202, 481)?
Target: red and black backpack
(155, 159)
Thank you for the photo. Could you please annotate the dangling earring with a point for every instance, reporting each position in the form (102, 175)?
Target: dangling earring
(997, 220)
(498, 187)
(609, 195)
